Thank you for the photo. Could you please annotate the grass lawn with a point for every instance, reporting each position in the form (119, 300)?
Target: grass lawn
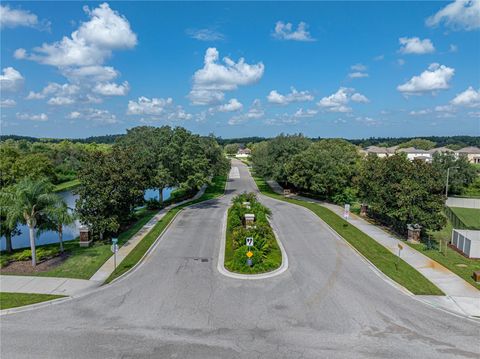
(470, 217)
(13, 300)
(216, 189)
(83, 262)
(449, 258)
(395, 268)
(66, 185)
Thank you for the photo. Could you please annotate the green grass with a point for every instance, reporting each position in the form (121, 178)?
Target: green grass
(13, 300)
(395, 268)
(216, 189)
(83, 262)
(470, 217)
(449, 258)
(64, 186)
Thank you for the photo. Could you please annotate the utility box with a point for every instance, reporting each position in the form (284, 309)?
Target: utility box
(467, 242)
(414, 232)
(85, 239)
(249, 220)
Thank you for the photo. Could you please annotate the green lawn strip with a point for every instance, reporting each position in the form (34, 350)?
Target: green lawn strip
(13, 300)
(216, 189)
(272, 261)
(64, 186)
(382, 258)
(449, 258)
(83, 262)
(470, 217)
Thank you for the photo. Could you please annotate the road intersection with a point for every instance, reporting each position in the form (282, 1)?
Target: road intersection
(328, 304)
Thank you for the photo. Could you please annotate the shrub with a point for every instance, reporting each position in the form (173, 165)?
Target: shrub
(42, 254)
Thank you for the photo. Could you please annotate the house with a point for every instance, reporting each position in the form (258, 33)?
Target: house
(243, 153)
(441, 150)
(416, 154)
(379, 151)
(472, 154)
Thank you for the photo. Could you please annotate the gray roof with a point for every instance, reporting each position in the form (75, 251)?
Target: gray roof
(440, 149)
(413, 150)
(469, 150)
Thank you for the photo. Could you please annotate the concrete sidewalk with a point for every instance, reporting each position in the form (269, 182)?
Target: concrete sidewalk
(460, 296)
(45, 285)
(72, 287)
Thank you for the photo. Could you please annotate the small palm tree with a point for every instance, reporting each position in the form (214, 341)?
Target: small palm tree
(28, 202)
(61, 216)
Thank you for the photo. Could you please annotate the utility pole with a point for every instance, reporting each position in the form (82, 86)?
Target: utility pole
(448, 174)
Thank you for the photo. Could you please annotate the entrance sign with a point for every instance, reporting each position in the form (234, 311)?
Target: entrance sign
(249, 241)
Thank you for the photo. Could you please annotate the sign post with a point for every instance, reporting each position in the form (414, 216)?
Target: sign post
(114, 249)
(249, 241)
(400, 247)
(249, 260)
(346, 211)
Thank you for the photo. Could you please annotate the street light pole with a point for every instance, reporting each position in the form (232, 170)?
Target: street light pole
(448, 174)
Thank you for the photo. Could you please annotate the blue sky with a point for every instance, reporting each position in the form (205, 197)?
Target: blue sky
(329, 69)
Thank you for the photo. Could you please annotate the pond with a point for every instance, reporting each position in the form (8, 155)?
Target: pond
(69, 232)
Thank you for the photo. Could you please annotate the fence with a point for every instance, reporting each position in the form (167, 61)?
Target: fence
(456, 222)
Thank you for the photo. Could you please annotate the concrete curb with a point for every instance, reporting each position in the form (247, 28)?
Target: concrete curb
(221, 258)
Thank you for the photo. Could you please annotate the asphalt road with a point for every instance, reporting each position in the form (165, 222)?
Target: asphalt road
(328, 304)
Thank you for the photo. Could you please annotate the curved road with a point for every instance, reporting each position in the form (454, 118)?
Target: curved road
(328, 304)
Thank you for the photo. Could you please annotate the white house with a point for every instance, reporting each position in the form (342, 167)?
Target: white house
(472, 154)
(416, 154)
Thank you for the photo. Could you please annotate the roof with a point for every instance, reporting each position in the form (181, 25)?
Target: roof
(376, 149)
(469, 150)
(413, 150)
(441, 149)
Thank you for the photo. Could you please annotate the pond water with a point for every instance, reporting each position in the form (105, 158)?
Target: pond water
(69, 232)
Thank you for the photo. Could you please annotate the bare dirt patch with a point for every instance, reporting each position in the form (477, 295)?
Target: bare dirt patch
(25, 267)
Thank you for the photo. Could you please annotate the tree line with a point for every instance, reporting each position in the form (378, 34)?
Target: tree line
(398, 191)
(113, 179)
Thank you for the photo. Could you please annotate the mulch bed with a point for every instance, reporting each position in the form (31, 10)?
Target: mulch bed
(25, 267)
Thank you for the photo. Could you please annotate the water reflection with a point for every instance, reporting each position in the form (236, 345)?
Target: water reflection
(69, 232)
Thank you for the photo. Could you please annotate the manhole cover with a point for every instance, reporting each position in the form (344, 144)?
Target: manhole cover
(204, 260)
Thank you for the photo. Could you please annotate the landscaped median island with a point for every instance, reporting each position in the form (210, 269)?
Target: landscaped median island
(13, 300)
(391, 265)
(265, 252)
(216, 189)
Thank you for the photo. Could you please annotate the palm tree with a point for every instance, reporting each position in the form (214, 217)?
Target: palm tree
(8, 229)
(61, 216)
(28, 202)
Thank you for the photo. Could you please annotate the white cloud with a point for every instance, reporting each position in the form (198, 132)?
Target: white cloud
(469, 98)
(7, 103)
(474, 114)
(205, 34)
(90, 73)
(301, 113)
(358, 97)
(458, 15)
(369, 121)
(357, 75)
(17, 17)
(293, 96)
(11, 80)
(73, 115)
(285, 31)
(61, 101)
(401, 62)
(103, 117)
(91, 43)
(53, 88)
(420, 112)
(214, 79)
(414, 45)
(179, 114)
(338, 102)
(379, 57)
(453, 48)
(254, 112)
(31, 117)
(358, 67)
(444, 108)
(146, 106)
(112, 89)
(435, 78)
(232, 106)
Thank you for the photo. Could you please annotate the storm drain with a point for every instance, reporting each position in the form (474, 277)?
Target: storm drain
(203, 260)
